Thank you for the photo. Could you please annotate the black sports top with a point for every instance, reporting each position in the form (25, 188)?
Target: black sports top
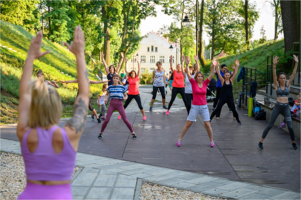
(282, 93)
(110, 78)
(226, 92)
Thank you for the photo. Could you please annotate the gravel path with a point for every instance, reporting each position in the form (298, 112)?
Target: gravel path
(150, 191)
(12, 175)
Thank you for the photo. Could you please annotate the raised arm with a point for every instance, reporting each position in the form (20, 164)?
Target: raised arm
(235, 71)
(211, 72)
(104, 63)
(170, 64)
(120, 63)
(137, 59)
(187, 67)
(34, 52)
(53, 83)
(294, 71)
(76, 124)
(97, 82)
(126, 66)
(71, 81)
(216, 64)
(197, 67)
(275, 61)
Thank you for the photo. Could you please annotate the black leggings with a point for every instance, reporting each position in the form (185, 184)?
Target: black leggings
(155, 90)
(285, 111)
(175, 91)
(220, 104)
(217, 97)
(189, 98)
(129, 99)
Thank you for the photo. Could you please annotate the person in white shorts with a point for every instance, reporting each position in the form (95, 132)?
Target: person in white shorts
(199, 102)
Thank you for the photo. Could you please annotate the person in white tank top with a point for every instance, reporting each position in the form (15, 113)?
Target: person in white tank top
(188, 88)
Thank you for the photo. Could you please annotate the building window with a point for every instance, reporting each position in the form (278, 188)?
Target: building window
(173, 60)
(143, 59)
(152, 48)
(156, 49)
(147, 49)
(152, 59)
(142, 70)
(161, 58)
(151, 70)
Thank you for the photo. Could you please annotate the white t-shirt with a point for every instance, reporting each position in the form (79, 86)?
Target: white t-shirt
(295, 107)
(102, 98)
(188, 88)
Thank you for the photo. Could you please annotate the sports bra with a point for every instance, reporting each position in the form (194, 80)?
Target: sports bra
(282, 93)
(44, 164)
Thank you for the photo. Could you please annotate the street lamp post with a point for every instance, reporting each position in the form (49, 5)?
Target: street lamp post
(171, 48)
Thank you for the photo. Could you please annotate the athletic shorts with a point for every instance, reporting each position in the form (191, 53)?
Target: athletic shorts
(195, 110)
(90, 106)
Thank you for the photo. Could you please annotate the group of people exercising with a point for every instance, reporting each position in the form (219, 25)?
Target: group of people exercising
(49, 151)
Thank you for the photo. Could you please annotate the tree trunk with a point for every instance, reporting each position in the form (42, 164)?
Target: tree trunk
(49, 25)
(201, 51)
(247, 25)
(213, 39)
(106, 44)
(290, 11)
(276, 6)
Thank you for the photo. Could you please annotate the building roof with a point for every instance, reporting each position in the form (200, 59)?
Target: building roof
(161, 37)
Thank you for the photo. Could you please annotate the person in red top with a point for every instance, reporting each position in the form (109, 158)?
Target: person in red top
(177, 84)
(199, 102)
(133, 92)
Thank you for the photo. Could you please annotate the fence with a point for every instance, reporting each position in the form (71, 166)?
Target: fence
(250, 76)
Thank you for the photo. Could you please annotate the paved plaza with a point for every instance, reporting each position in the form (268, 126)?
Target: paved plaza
(115, 166)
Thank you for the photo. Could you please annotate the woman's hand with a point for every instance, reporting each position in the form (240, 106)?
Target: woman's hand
(121, 54)
(237, 63)
(106, 101)
(187, 60)
(78, 44)
(214, 62)
(34, 50)
(62, 81)
(170, 59)
(102, 56)
(295, 58)
(196, 58)
(233, 67)
(183, 57)
(125, 97)
(137, 59)
(125, 60)
(275, 60)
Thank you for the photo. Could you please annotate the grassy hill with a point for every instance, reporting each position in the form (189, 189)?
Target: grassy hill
(58, 65)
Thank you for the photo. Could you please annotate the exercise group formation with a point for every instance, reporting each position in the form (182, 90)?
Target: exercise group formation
(49, 152)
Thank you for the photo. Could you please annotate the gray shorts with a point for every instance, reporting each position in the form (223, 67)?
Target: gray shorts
(195, 110)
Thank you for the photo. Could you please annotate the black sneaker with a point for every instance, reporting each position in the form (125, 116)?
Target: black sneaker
(134, 136)
(100, 136)
(99, 120)
(150, 109)
(165, 107)
(294, 146)
(239, 122)
(92, 116)
(99, 116)
(260, 146)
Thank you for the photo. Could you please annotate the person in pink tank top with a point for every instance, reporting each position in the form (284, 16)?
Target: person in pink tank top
(199, 102)
(49, 152)
(133, 88)
(177, 84)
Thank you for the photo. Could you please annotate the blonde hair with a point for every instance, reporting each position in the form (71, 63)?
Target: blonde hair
(116, 75)
(159, 62)
(196, 75)
(46, 106)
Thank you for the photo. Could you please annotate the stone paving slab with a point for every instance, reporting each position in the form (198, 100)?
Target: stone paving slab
(98, 183)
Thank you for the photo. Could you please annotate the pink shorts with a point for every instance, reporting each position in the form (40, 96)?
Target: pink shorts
(35, 191)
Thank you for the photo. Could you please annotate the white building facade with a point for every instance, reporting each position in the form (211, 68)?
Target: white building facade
(154, 48)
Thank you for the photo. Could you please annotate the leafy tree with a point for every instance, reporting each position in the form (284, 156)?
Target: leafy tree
(263, 37)
(277, 14)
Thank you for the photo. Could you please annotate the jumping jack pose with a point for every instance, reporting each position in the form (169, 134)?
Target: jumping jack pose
(133, 92)
(158, 80)
(111, 70)
(177, 84)
(49, 152)
(117, 94)
(94, 113)
(188, 88)
(226, 92)
(40, 74)
(282, 105)
(199, 102)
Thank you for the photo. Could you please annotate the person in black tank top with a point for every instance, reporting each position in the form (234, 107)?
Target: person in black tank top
(227, 92)
(111, 69)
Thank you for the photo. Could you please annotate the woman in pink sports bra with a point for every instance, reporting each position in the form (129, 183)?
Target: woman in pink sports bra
(49, 152)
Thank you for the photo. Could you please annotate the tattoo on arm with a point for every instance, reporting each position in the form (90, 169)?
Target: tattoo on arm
(79, 117)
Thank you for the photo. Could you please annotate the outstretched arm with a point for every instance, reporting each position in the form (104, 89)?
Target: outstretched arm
(294, 71)
(76, 124)
(187, 67)
(235, 71)
(126, 66)
(137, 59)
(197, 67)
(71, 81)
(34, 52)
(211, 72)
(120, 63)
(104, 63)
(53, 83)
(97, 82)
(275, 61)
(170, 63)
(218, 72)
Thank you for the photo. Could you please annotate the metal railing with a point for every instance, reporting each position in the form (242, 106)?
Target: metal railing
(269, 76)
(250, 76)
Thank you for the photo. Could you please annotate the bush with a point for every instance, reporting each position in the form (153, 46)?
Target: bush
(146, 78)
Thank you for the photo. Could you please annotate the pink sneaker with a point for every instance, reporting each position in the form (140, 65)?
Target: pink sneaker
(144, 118)
(212, 144)
(167, 112)
(179, 143)
(102, 117)
(119, 117)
